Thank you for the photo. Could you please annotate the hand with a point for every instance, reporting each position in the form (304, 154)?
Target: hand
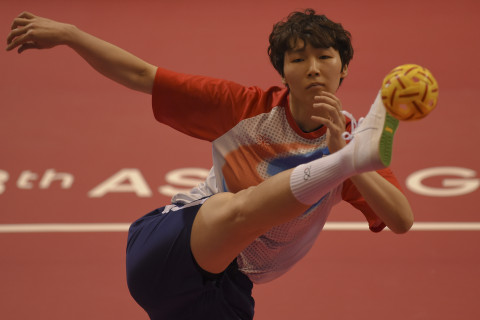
(32, 32)
(329, 113)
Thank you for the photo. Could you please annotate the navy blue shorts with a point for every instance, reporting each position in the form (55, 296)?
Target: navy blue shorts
(167, 283)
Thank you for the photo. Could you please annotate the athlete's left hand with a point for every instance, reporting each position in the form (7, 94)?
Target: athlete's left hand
(329, 114)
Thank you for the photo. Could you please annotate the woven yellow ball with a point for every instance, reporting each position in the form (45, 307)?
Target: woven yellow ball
(409, 92)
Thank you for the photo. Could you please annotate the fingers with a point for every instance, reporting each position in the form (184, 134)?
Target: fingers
(15, 33)
(20, 22)
(19, 36)
(26, 46)
(328, 106)
(329, 98)
(26, 15)
(328, 112)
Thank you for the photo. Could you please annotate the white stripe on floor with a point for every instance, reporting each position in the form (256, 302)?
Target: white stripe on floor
(123, 227)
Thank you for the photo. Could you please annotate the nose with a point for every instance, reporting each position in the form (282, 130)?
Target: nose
(313, 68)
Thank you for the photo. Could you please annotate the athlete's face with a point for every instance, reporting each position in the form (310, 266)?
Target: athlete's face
(309, 70)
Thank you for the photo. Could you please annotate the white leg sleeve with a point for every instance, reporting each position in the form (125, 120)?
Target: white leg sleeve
(311, 181)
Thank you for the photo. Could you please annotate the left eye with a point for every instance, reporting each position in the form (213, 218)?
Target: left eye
(324, 57)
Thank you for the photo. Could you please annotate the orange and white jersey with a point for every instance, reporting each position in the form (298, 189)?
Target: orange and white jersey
(254, 137)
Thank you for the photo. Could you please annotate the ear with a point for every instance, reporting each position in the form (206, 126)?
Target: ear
(344, 72)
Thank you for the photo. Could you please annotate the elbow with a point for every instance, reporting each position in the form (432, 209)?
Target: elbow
(140, 79)
(403, 225)
(402, 229)
(147, 78)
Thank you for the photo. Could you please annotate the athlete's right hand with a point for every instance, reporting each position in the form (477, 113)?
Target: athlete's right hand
(32, 32)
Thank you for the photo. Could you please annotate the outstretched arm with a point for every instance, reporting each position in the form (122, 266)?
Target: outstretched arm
(33, 32)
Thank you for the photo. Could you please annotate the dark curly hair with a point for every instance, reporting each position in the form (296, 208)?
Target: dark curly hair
(317, 30)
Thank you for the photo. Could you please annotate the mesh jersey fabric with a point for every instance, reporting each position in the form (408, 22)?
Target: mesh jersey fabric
(254, 136)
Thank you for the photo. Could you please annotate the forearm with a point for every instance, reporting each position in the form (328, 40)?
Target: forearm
(33, 32)
(111, 61)
(388, 202)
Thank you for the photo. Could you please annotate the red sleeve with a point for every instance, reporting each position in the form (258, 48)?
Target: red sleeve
(352, 196)
(205, 107)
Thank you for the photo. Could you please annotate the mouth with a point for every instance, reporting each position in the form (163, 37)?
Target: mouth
(315, 85)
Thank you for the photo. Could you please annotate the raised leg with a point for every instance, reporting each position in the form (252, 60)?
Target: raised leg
(227, 223)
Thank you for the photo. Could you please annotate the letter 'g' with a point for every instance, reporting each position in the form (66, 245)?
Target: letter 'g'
(450, 187)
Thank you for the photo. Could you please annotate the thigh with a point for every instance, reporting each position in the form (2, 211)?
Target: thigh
(227, 223)
(222, 229)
